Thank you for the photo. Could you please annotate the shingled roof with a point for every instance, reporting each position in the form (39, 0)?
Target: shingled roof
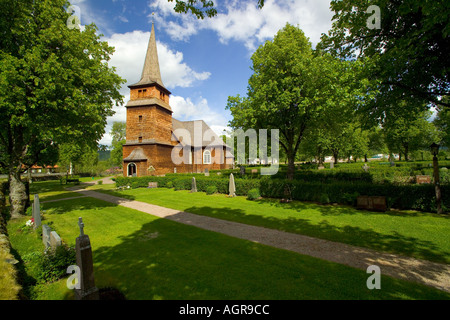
(194, 128)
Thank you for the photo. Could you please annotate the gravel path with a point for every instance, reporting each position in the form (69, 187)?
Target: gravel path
(411, 269)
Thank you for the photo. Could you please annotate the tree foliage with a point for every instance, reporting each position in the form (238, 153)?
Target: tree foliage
(408, 54)
(292, 88)
(201, 8)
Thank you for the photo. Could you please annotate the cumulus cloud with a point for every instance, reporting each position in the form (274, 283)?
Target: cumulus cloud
(184, 109)
(244, 22)
(129, 56)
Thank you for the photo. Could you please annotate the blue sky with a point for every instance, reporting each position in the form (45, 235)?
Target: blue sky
(202, 62)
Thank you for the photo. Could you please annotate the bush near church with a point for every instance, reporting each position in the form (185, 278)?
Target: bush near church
(406, 196)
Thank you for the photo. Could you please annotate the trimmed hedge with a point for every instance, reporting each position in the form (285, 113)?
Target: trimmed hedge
(416, 197)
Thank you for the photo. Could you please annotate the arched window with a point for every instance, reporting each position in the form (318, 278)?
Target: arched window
(132, 170)
(207, 157)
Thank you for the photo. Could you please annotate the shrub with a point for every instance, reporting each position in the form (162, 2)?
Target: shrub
(253, 194)
(100, 182)
(54, 263)
(211, 189)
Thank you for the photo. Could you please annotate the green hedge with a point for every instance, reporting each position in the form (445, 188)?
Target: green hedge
(416, 197)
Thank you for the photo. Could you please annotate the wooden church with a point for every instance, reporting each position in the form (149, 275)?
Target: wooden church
(152, 133)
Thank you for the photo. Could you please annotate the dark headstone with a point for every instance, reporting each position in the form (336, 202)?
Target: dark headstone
(88, 290)
(242, 171)
(372, 203)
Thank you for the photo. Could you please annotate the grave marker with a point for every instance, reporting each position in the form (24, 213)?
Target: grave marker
(36, 212)
(46, 230)
(88, 290)
(194, 185)
(55, 240)
(423, 179)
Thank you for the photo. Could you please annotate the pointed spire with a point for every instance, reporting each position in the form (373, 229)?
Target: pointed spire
(151, 72)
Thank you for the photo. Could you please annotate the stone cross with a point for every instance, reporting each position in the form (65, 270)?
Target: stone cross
(88, 290)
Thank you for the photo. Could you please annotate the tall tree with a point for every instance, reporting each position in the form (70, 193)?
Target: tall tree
(407, 54)
(292, 87)
(55, 86)
(118, 134)
(406, 134)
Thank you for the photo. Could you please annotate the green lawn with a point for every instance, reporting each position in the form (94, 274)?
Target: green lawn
(417, 234)
(151, 258)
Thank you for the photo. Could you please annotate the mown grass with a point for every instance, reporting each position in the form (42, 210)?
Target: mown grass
(150, 258)
(416, 234)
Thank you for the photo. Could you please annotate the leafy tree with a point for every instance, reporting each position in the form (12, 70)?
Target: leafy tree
(407, 56)
(55, 87)
(291, 89)
(442, 123)
(409, 133)
(118, 133)
(200, 8)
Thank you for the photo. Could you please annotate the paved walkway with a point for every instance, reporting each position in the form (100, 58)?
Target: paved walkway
(425, 272)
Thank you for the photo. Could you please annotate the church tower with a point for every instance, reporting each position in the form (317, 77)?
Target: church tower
(149, 117)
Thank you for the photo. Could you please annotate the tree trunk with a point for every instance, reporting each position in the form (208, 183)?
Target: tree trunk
(335, 156)
(365, 158)
(17, 194)
(291, 167)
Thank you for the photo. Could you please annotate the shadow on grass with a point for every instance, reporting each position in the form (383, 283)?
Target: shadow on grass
(368, 238)
(168, 260)
(339, 209)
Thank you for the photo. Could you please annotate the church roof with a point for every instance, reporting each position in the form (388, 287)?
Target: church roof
(208, 136)
(151, 73)
(136, 155)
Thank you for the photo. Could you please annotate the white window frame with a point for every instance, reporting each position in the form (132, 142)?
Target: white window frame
(206, 157)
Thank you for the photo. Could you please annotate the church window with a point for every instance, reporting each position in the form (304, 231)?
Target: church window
(140, 118)
(140, 139)
(207, 157)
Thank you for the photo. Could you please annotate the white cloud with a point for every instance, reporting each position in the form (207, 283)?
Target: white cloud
(184, 109)
(129, 56)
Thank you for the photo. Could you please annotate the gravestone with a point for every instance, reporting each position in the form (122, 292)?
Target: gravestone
(206, 172)
(321, 167)
(331, 165)
(242, 171)
(46, 230)
(423, 179)
(254, 171)
(232, 186)
(88, 290)
(392, 163)
(153, 184)
(373, 203)
(174, 170)
(194, 185)
(55, 240)
(36, 212)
